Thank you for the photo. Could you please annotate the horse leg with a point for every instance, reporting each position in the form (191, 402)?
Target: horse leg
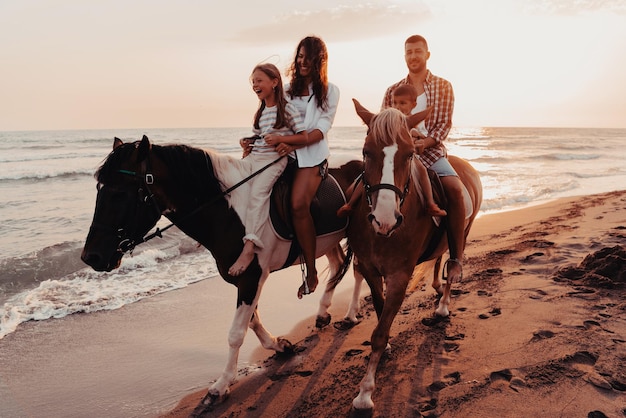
(267, 340)
(355, 302)
(396, 290)
(335, 260)
(244, 317)
(442, 289)
(218, 392)
(377, 290)
(443, 308)
(437, 285)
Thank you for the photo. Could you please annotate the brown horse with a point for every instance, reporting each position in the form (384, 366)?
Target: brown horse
(138, 182)
(390, 232)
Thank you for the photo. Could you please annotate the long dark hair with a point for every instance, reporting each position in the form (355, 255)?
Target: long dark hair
(279, 96)
(317, 54)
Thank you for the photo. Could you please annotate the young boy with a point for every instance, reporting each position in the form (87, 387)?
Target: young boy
(405, 100)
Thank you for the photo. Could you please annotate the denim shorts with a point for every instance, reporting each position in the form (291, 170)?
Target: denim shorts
(443, 168)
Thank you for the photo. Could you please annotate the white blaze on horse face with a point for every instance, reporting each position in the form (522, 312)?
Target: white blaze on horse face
(385, 210)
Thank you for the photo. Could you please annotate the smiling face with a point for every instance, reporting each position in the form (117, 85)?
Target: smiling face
(303, 62)
(416, 55)
(264, 86)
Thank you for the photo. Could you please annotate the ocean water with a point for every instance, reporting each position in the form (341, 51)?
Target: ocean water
(47, 197)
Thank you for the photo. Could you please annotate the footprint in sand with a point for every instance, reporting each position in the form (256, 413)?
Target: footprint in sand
(542, 334)
(506, 375)
(448, 380)
(450, 347)
(539, 243)
(581, 357)
(353, 352)
(590, 324)
(493, 312)
(435, 320)
(532, 256)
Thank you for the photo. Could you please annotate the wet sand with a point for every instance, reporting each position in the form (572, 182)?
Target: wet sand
(538, 328)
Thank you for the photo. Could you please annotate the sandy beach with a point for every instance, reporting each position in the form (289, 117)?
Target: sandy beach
(538, 328)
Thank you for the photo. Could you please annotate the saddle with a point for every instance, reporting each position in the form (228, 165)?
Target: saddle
(328, 199)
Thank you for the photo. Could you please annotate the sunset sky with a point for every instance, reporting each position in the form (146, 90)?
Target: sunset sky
(77, 64)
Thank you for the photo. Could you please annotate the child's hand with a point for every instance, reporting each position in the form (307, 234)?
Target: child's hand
(416, 134)
(418, 141)
(246, 144)
(272, 139)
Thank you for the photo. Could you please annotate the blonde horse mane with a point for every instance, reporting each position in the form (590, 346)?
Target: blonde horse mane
(387, 127)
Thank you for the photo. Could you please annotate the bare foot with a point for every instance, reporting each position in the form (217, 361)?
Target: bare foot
(243, 261)
(434, 210)
(308, 287)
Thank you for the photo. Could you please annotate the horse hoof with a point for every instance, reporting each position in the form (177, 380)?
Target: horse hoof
(361, 413)
(322, 321)
(442, 312)
(287, 348)
(207, 403)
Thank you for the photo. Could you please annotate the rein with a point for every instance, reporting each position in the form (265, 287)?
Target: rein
(128, 245)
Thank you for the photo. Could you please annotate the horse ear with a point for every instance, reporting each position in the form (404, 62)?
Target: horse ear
(117, 142)
(143, 149)
(416, 118)
(364, 114)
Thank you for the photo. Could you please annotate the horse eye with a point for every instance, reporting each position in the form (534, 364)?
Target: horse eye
(98, 186)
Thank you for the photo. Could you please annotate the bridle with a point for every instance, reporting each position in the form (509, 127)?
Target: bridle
(145, 197)
(369, 189)
(127, 234)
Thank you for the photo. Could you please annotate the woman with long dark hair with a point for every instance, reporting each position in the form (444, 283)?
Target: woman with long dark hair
(316, 99)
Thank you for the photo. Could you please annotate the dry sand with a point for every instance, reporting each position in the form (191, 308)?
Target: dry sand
(538, 329)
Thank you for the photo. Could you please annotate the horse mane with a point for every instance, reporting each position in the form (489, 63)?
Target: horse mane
(190, 168)
(113, 161)
(196, 172)
(387, 127)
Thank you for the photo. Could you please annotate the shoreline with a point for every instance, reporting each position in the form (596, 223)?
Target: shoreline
(516, 340)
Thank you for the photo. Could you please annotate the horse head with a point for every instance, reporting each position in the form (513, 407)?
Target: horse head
(387, 156)
(126, 209)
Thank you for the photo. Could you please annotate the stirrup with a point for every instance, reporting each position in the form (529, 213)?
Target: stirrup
(307, 291)
(445, 269)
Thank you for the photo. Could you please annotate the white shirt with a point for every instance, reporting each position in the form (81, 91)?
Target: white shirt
(315, 118)
(419, 106)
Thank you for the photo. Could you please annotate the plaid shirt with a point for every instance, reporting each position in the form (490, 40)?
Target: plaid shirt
(440, 95)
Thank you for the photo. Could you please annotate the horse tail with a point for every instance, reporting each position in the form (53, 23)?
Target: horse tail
(343, 269)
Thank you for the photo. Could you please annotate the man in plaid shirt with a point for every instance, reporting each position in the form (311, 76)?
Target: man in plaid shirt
(436, 92)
